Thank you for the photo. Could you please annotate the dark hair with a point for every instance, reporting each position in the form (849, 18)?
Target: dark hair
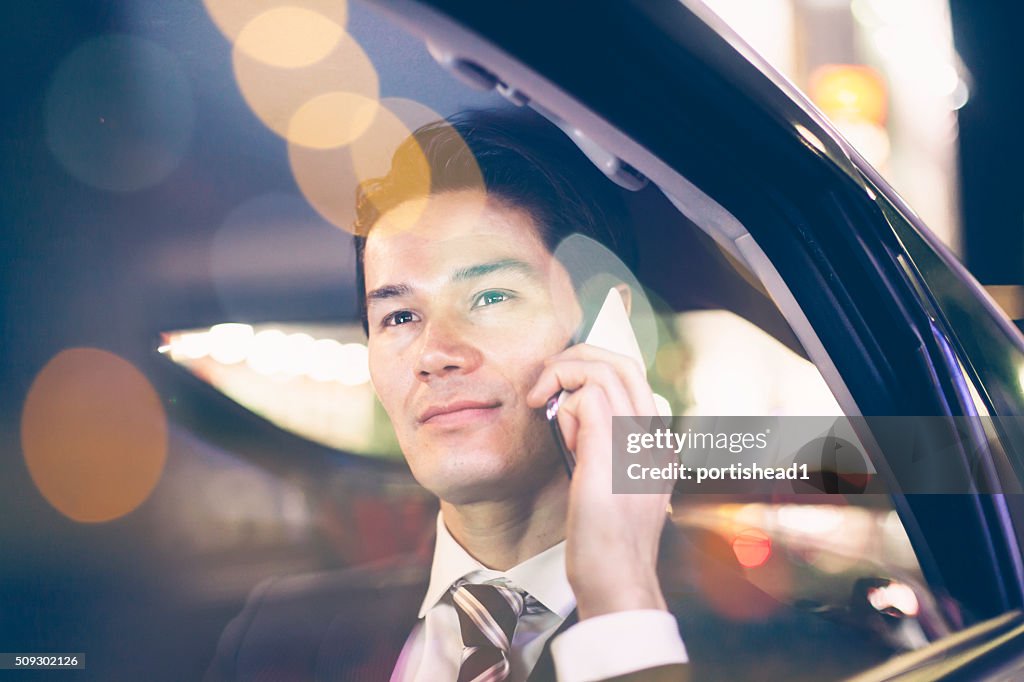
(522, 159)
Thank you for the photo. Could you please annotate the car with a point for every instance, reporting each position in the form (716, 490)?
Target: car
(775, 260)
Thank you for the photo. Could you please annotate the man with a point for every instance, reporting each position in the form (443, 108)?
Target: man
(469, 318)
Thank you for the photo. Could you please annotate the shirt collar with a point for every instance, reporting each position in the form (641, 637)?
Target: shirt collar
(542, 576)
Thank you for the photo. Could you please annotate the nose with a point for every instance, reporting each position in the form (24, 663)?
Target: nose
(446, 347)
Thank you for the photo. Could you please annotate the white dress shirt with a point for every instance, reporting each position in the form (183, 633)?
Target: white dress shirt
(433, 651)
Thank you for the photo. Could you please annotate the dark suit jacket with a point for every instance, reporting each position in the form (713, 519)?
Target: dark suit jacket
(351, 625)
(346, 626)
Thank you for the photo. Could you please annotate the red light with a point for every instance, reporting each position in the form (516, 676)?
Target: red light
(752, 548)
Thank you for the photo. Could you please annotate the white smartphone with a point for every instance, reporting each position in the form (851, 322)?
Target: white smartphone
(612, 331)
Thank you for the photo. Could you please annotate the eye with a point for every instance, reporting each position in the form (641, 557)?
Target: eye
(490, 298)
(399, 317)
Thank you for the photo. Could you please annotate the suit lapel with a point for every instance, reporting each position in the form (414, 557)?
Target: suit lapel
(544, 671)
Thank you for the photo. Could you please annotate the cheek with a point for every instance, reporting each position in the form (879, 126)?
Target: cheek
(384, 379)
(523, 362)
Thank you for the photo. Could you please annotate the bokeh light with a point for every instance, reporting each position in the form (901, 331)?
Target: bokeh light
(894, 596)
(232, 17)
(94, 435)
(119, 113)
(277, 94)
(268, 352)
(275, 244)
(289, 37)
(596, 269)
(395, 121)
(354, 364)
(331, 120)
(325, 365)
(191, 346)
(310, 379)
(848, 91)
(229, 343)
(752, 548)
(272, 353)
(724, 587)
(326, 176)
(299, 356)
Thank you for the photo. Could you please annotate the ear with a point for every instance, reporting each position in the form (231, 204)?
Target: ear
(627, 296)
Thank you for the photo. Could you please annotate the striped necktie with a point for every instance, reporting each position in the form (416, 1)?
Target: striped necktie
(488, 615)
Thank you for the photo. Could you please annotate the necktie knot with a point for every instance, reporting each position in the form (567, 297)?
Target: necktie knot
(488, 615)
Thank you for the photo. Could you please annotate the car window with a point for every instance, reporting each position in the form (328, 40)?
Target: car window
(838, 568)
(209, 296)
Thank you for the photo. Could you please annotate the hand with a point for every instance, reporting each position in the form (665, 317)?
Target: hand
(611, 539)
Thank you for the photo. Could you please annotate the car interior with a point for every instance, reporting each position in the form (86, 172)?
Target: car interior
(228, 282)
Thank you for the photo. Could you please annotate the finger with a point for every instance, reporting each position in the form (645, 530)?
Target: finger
(567, 375)
(630, 398)
(585, 417)
(632, 373)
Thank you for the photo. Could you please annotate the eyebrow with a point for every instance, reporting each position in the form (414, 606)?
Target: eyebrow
(462, 274)
(388, 291)
(474, 271)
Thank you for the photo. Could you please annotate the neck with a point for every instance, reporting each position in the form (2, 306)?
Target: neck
(501, 534)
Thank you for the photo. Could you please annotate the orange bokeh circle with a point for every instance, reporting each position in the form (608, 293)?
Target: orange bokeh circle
(93, 434)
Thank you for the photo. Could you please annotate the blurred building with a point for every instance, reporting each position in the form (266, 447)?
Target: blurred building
(886, 73)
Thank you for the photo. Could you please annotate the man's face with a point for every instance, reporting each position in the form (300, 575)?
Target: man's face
(463, 308)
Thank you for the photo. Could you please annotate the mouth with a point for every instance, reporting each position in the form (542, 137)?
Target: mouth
(459, 413)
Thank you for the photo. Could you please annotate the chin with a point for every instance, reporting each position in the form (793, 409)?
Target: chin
(484, 475)
(462, 474)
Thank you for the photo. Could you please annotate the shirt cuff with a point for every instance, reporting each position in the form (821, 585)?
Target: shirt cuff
(617, 644)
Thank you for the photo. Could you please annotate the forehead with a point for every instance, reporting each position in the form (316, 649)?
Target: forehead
(449, 230)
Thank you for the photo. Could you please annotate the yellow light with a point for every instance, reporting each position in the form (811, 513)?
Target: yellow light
(94, 435)
(396, 120)
(320, 173)
(331, 120)
(276, 95)
(849, 92)
(233, 16)
(289, 37)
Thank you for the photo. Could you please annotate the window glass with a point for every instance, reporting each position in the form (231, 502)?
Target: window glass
(188, 170)
(833, 571)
